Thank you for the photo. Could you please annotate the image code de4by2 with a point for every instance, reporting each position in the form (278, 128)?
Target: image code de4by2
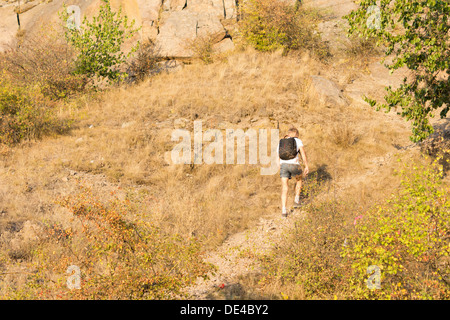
(229, 309)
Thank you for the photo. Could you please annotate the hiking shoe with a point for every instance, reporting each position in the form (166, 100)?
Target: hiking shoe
(297, 204)
(284, 214)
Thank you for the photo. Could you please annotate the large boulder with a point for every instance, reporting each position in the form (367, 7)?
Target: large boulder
(230, 9)
(149, 16)
(328, 91)
(214, 7)
(223, 46)
(182, 27)
(174, 5)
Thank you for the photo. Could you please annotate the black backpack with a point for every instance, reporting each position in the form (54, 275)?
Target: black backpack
(287, 148)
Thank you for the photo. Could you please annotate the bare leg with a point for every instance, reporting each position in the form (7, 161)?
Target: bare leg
(298, 186)
(284, 191)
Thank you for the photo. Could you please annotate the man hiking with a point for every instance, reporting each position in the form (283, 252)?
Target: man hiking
(288, 162)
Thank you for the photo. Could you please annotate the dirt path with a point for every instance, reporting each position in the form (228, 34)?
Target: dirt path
(235, 258)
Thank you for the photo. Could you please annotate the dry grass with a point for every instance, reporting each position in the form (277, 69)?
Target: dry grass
(123, 139)
(343, 135)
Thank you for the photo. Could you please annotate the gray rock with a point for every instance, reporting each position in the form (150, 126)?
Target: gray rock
(181, 28)
(213, 7)
(128, 124)
(328, 90)
(149, 10)
(174, 5)
(223, 46)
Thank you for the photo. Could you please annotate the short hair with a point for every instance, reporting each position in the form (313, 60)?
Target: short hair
(293, 130)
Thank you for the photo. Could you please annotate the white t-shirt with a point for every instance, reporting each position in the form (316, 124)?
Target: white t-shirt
(296, 159)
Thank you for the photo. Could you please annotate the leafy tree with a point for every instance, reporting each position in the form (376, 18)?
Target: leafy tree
(416, 33)
(99, 43)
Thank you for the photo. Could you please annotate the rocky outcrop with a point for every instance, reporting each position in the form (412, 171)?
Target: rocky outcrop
(328, 91)
(171, 24)
(182, 21)
(183, 27)
(149, 16)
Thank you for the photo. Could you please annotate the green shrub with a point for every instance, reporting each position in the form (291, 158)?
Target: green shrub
(407, 238)
(270, 25)
(26, 114)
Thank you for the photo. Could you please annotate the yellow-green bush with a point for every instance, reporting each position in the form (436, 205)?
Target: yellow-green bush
(202, 47)
(407, 238)
(270, 25)
(26, 114)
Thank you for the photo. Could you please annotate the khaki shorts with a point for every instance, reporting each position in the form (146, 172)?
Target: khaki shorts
(288, 170)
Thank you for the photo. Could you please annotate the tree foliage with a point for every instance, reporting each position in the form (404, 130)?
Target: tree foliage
(99, 43)
(416, 34)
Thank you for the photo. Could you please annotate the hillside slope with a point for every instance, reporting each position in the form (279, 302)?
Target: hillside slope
(123, 143)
